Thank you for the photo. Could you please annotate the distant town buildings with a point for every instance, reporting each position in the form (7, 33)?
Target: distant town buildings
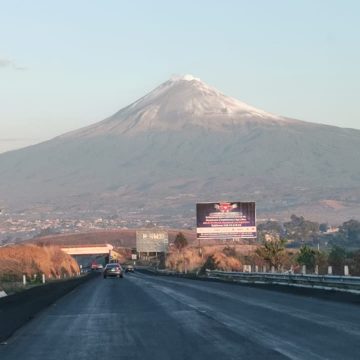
(20, 226)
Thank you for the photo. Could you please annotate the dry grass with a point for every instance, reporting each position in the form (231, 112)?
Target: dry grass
(31, 259)
(192, 260)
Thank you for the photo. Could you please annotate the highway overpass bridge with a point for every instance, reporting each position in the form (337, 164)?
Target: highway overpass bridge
(94, 249)
(100, 249)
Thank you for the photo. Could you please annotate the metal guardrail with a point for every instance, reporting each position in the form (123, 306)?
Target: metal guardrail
(324, 281)
(330, 282)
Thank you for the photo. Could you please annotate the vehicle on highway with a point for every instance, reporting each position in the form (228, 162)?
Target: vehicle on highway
(85, 270)
(96, 266)
(129, 268)
(113, 270)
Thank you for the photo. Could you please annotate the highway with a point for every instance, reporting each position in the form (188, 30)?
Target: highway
(153, 317)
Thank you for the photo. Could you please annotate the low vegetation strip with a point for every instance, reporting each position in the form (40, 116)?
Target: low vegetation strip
(17, 309)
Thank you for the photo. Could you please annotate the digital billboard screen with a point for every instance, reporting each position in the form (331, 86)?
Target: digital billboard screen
(226, 220)
(152, 241)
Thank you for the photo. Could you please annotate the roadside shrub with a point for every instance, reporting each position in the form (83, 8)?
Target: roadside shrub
(210, 264)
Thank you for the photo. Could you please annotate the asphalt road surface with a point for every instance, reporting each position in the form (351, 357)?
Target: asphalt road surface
(148, 317)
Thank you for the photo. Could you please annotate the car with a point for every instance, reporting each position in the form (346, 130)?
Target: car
(96, 266)
(85, 270)
(113, 270)
(129, 268)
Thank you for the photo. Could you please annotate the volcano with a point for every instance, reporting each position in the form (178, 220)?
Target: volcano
(186, 142)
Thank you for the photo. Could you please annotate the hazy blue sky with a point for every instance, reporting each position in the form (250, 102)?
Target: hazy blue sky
(66, 64)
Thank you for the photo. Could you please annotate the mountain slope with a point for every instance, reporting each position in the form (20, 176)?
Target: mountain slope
(185, 142)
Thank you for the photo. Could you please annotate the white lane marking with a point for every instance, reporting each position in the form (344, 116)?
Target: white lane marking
(86, 315)
(244, 327)
(343, 326)
(195, 321)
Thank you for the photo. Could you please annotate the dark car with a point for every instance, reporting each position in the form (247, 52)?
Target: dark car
(129, 268)
(114, 270)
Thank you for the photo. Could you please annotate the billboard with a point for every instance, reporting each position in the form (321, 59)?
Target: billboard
(152, 241)
(226, 221)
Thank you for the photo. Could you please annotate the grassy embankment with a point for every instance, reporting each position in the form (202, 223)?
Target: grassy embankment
(229, 258)
(33, 261)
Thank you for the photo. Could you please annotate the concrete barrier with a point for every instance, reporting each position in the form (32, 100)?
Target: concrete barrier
(17, 309)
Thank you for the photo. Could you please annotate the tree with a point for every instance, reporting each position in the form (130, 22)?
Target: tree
(180, 241)
(272, 226)
(210, 264)
(301, 230)
(230, 251)
(273, 252)
(162, 259)
(307, 257)
(355, 263)
(337, 257)
(350, 230)
(270, 229)
(321, 259)
(324, 227)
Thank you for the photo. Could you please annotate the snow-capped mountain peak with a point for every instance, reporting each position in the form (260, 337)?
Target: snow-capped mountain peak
(180, 103)
(182, 143)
